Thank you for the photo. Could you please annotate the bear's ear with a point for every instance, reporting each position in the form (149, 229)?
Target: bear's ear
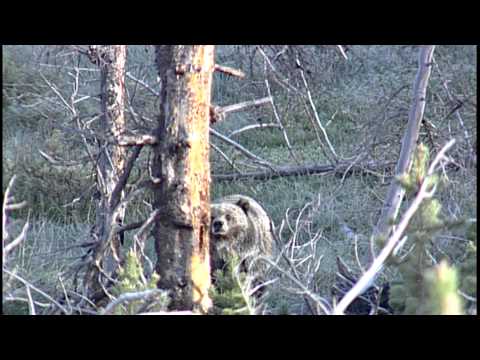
(244, 205)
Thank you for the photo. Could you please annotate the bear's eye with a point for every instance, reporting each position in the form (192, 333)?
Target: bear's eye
(228, 217)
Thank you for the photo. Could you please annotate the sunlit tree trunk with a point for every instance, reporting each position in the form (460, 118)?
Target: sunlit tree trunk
(182, 171)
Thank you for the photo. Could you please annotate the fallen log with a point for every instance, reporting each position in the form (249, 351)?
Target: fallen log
(305, 170)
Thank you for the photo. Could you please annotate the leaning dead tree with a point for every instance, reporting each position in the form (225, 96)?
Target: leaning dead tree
(182, 173)
(396, 192)
(109, 168)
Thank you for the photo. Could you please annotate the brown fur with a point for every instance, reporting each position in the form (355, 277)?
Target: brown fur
(239, 226)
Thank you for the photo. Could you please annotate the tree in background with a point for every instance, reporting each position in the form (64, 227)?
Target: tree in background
(110, 165)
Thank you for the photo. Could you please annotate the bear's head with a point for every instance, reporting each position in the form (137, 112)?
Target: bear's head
(229, 229)
(228, 221)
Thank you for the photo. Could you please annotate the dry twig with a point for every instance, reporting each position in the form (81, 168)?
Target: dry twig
(240, 148)
(32, 287)
(314, 110)
(129, 297)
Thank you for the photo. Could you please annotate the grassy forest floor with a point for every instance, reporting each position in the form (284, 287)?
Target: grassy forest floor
(363, 104)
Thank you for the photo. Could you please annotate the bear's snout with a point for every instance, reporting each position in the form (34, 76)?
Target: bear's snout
(217, 226)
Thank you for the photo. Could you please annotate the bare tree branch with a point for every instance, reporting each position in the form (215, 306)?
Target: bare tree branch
(229, 71)
(6, 207)
(283, 82)
(217, 113)
(253, 127)
(314, 109)
(6, 198)
(61, 162)
(277, 118)
(129, 297)
(222, 154)
(241, 106)
(12, 245)
(122, 181)
(143, 83)
(129, 227)
(18, 206)
(317, 299)
(31, 305)
(342, 51)
(57, 92)
(239, 148)
(45, 295)
(137, 140)
(17, 298)
(140, 236)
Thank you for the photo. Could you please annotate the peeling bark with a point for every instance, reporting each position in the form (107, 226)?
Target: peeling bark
(111, 165)
(181, 162)
(113, 102)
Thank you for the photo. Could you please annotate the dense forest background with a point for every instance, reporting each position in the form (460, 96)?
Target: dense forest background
(360, 94)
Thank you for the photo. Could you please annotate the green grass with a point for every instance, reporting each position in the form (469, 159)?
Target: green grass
(42, 257)
(353, 100)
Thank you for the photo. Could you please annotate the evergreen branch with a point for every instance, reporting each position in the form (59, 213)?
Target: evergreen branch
(369, 276)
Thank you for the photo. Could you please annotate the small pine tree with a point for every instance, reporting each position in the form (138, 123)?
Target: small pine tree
(424, 288)
(229, 293)
(442, 297)
(131, 279)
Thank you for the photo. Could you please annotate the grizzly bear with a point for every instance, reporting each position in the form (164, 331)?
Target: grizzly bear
(241, 227)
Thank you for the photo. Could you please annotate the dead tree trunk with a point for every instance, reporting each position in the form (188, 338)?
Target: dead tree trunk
(110, 166)
(396, 193)
(182, 171)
